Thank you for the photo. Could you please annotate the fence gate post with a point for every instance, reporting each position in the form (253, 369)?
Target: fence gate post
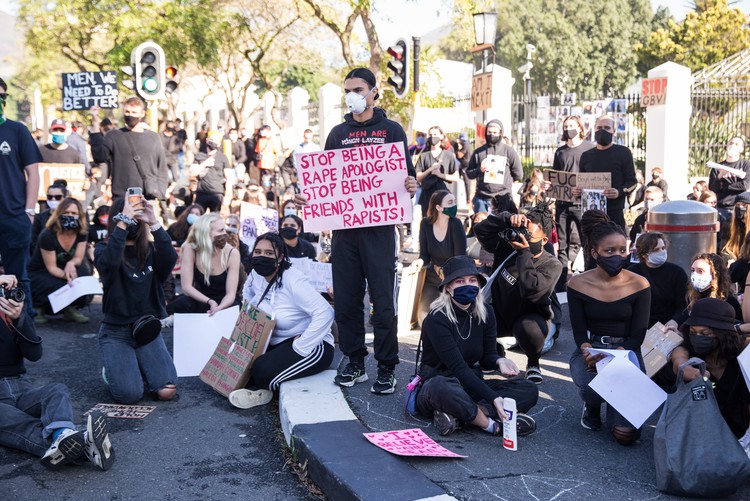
(329, 109)
(668, 129)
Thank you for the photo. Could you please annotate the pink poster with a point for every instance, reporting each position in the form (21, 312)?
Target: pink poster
(412, 442)
(354, 187)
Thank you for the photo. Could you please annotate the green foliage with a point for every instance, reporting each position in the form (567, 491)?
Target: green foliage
(710, 33)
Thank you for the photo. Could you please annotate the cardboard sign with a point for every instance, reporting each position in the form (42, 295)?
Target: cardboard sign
(481, 92)
(653, 91)
(562, 184)
(594, 180)
(74, 174)
(122, 411)
(81, 91)
(412, 442)
(256, 220)
(229, 367)
(657, 346)
(354, 187)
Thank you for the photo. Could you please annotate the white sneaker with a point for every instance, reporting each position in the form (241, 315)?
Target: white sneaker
(98, 449)
(246, 399)
(67, 448)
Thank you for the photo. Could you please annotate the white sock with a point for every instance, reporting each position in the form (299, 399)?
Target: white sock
(491, 427)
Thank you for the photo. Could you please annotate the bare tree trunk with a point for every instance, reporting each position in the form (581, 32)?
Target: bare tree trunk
(376, 53)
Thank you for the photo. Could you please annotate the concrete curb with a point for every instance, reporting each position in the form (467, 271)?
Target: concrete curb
(320, 428)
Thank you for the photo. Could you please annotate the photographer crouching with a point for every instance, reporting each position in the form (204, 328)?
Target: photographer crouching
(525, 278)
(39, 420)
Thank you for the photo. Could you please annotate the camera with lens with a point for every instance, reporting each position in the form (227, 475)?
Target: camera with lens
(14, 294)
(514, 234)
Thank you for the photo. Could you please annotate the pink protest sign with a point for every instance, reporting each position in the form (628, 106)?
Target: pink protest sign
(412, 442)
(354, 187)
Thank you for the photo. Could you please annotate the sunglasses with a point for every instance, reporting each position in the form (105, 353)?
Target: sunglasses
(54, 197)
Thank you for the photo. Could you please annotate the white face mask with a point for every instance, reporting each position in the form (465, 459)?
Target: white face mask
(357, 103)
(657, 258)
(733, 150)
(700, 282)
(52, 204)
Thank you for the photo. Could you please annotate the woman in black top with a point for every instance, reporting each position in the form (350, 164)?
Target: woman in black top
(132, 270)
(210, 269)
(609, 308)
(435, 167)
(59, 259)
(668, 281)
(458, 333)
(441, 236)
(291, 228)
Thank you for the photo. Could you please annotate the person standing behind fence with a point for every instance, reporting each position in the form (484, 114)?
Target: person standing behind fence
(369, 253)
(463, 150)
(612, 158)
(495, 166)
(435, 167)
(727, 186)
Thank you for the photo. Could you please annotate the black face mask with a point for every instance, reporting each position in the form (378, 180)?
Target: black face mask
(612, 265)
(264, 266)
(288, 233)
(493, 138)
(434, 141)
(603, 137)
(702, 345)
(132, 121)
(535, 248)
(69, 223)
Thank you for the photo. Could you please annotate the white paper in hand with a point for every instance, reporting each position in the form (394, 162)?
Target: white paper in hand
(65, 295)
(744, 361)
(611, 355)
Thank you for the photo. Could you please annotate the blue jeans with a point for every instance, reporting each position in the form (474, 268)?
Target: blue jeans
(481, 204)
(127, 365)
(29, 415)
(14, 249)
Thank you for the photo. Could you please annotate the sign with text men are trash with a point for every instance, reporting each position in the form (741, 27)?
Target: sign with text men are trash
(81, 91)
(354, 187)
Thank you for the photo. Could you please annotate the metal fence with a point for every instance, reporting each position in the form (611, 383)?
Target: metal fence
(546, 114)
(717, 115)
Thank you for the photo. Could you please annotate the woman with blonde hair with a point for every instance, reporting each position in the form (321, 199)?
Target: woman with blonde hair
(59, 258)
(210, 269)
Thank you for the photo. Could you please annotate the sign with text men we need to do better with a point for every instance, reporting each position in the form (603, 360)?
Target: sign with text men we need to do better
(354, 187)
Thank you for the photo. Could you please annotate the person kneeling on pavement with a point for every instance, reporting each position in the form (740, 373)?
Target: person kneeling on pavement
(302, 342)
(39, 420)
(525, 277)
(458, 333)
(132, 270)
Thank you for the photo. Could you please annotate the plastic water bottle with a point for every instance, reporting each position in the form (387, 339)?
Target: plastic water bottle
(510, 432)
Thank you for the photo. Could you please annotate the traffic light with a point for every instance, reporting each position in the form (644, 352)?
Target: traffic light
(171, 84)
(399, 65)
(148, 59)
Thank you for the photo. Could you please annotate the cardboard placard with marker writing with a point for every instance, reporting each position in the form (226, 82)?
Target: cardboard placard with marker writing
(563, 183)
(354, 187)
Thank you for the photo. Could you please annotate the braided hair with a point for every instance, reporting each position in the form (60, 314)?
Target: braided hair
(541, 215)
(595, 226)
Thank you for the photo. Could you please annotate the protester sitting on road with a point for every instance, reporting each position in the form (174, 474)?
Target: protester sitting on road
(609, 309)
(55, 194)
(302, 343)
(708, 278)
(668, 280)
(441, 236)
(522, 288)
(233, 234)
(291, 227)
(210, 269)
(698, 189)
(59, 259)
(132, 270)
(39, 420)
(179, 230)
(712, 333)
(458, 334)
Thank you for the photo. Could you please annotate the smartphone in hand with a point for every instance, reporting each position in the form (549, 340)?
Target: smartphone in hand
(134, 198)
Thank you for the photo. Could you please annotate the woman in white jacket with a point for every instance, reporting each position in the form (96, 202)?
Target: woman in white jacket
(301, 344)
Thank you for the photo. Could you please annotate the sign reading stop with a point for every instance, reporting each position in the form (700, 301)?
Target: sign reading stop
(654, 91)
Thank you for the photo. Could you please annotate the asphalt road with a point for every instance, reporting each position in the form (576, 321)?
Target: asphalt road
(198, 447)
(561, 461)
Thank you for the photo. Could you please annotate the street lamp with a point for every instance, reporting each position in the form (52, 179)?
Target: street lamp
(485, 28)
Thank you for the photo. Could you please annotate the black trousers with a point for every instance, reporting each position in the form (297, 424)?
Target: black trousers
(446, 394)
(281, 363)
(530, 331)
(208, 201)
(568, 219)
(370, 254)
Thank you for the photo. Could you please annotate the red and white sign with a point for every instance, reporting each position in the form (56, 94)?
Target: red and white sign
(654, 91)
(354, 187)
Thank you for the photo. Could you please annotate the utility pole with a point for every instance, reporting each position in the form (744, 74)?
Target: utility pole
(417, 96)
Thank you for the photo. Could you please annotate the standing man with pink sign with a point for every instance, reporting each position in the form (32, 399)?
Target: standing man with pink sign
(366, 254)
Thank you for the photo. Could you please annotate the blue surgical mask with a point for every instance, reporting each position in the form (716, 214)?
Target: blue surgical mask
(420, 141)
(58, 137)
(290, 211)
(466, 294)
(191, 218)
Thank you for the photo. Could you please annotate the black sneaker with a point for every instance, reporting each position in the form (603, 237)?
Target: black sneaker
(98, 449)
(525, 424)
(352, 373)
(67, 448)
(534, 374)
(386, 381)
(444, 423)
(591, 418)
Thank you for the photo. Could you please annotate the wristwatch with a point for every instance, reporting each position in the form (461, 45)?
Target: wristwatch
(31, 212)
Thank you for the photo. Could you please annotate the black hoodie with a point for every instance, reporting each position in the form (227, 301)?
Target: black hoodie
(513, 168)
(377, 130)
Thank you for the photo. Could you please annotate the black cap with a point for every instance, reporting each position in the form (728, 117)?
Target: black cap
(711, 312)
(460, 266)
